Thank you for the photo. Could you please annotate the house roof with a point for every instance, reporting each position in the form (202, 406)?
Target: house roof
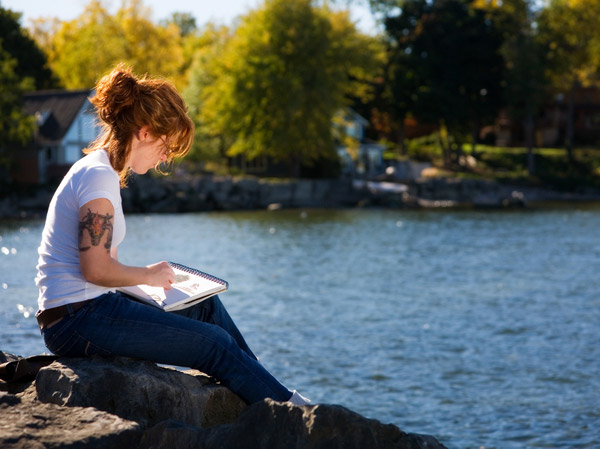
(55, 111)
(353, 115)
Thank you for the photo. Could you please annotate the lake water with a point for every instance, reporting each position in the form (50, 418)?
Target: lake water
(480, 328)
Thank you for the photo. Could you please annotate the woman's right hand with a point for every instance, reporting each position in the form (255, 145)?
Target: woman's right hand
(160, 275)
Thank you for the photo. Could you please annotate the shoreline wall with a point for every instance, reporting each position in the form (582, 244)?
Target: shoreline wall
(151, 194)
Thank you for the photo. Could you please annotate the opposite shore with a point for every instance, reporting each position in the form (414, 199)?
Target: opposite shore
(186, 193)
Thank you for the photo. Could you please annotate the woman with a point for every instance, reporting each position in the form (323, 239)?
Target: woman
(145, 124)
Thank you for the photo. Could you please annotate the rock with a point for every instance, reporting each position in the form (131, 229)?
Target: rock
(27, 425)
(456, 192)
(271, 424)
(6, 357)
(122, 403)
(138, 391)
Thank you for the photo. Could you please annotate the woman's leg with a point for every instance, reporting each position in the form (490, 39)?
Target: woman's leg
(213, 311)
(114, 324)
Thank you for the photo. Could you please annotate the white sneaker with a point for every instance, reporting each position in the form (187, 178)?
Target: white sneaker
(298, 399)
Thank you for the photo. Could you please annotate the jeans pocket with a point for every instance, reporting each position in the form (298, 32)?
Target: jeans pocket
(74, 345)
(55, 335)
(92, 349)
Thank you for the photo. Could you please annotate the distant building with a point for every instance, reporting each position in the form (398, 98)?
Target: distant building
(66, 124)
(358, 155)
(551, 122)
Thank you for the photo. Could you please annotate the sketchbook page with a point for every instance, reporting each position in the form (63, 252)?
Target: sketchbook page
(186, 287)
(154, 295)
(192, 285)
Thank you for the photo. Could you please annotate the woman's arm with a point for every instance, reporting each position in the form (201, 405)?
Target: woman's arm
(97, 258)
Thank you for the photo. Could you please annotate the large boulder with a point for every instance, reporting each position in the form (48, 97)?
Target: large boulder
(125, 403)
(138, 390)
(30, 425)
(270, 424)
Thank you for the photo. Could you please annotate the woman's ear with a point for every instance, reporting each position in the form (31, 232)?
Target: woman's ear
(143, 133)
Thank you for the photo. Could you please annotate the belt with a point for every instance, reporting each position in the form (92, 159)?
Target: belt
(49, 316)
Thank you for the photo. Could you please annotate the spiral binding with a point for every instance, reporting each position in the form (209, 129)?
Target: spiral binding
(199, 273)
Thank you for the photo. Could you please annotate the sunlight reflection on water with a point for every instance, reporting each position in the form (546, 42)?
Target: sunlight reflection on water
(477, 327)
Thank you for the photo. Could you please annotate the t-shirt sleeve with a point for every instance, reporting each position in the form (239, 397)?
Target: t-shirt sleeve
(99, 182)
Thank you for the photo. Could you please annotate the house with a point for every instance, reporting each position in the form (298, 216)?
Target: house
(358, 154)
(551, 121)
(66, 124)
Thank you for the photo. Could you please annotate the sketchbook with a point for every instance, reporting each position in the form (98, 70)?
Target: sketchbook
(190, 287)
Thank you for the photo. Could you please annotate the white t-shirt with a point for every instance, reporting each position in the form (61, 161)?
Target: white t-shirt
(59, 277)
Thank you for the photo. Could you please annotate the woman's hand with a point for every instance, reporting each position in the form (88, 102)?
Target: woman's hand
(160, 275)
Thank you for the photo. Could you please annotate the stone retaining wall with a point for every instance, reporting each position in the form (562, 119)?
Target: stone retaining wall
(150, 194)
(147, 194)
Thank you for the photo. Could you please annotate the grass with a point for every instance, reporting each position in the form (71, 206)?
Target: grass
(509, 164)
(502, 164)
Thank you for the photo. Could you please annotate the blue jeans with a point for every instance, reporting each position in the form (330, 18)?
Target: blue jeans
(203, 337)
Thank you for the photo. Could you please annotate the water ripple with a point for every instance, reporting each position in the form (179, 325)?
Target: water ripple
(478, 327)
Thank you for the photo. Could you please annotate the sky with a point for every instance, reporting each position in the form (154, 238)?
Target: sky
(220, 11)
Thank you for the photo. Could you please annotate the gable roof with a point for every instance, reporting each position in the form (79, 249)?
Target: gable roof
(351, 114)
(55, 111)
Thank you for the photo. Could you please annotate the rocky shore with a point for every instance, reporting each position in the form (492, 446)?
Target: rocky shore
(124, 403)
(152, 194)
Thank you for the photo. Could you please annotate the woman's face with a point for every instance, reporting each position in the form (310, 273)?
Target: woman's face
(147, 151)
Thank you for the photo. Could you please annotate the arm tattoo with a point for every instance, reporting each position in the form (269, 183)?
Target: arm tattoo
(96, 225)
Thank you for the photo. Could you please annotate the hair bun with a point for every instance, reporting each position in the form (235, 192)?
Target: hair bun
(114, 93)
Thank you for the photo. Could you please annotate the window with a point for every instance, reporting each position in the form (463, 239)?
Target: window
(50, 154)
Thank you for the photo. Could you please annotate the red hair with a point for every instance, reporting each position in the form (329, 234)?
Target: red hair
(125, 103)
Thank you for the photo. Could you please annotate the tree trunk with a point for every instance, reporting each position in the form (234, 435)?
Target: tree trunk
(445, 144)
(474, 136)
(295, 165)
(401, 136)
(570, 124)
(458, 151)
(528, 125)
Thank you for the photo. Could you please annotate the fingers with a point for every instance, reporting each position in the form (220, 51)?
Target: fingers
(162, 275)
(169, 275)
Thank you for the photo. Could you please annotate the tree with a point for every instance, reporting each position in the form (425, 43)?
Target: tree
(396, 90)
(280, 79)
(526, 67)
(16, 128)
(445, 66)
(149, 48)
(569, 29)
(85, 48)
(185, 23)
(30, 60)
(457, 50)
(205, 49)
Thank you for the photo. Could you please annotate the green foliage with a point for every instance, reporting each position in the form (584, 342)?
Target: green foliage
(280, 78)
(525, 59)
(553, 168)
(426, 148)
(396, 91)
(570, 31)
(457, 49)
(272, 85)
(16, 129)
(205, 50)
(185, 22)
(444, 66)
(31, 62)
(82, 50)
